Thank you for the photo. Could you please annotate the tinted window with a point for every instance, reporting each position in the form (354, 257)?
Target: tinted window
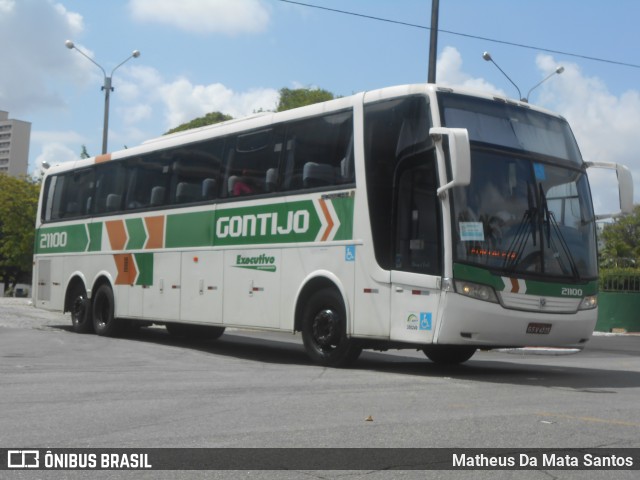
(111, 186)
(197, 172)
(69, 195)
(319, 152)
(396, 133)
(148, 182)
(252, 162)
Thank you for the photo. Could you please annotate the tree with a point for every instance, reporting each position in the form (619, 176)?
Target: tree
(84, 153)
(18, 206)
(622, 241)
(300, 97)
(289, 98)
(208, 119)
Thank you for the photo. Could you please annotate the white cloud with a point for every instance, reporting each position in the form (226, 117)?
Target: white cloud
(605, 125)
(25, 83)
(66, 136)
(204, 16)
(7, 6)
(450, 72)
(54, 154)
(185, 101)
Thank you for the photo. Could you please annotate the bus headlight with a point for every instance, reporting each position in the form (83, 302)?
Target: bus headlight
(589, 302)
(476, 290)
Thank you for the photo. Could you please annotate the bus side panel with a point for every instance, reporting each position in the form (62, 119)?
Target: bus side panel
(49, 282)
(161, 299)
(252, 286)
(335, 263)
(372, 302)
(202, 287)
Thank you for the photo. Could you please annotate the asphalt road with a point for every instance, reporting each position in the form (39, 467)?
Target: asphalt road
(59, 389)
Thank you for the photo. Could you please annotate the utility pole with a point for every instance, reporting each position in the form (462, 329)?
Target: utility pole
(433, 46)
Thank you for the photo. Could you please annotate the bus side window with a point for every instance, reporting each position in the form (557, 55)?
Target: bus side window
(110, 187)
(319, 152)
(149, 179)
(78, 193)
(196, 171)
(53, 198)
(252, 162)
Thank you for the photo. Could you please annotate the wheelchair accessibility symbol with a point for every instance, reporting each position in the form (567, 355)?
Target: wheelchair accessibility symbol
(350, 253)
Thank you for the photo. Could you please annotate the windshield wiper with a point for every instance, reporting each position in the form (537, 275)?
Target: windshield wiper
(528, 225)
(552, 225)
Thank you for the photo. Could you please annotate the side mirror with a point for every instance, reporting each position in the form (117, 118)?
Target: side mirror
(625, 187)
(459, 156)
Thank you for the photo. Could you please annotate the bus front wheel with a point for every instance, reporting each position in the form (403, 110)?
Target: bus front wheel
(104, 321)
(324, 330)
(448, 354)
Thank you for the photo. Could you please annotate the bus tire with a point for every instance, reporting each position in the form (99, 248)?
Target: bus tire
(204, 332)
(449, 354)
(324, 330)
(103, 309)
(80, 308)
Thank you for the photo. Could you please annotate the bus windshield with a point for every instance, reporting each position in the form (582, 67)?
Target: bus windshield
(527, 210)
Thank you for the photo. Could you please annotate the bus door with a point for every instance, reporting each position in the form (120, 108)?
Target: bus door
(415, 278)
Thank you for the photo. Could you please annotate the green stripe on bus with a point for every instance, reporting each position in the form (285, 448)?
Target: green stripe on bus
(70, 238)
(137, 234)
(95, 237)
(144, 263)
(533, 287)
(265, 224)
(189, 230)
(344, 209)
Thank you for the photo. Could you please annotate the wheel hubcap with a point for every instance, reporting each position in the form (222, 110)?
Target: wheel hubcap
(79, 307)
(326, 326)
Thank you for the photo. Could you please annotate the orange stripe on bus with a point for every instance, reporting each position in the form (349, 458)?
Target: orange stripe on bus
(103, 158)
(155, 228)
(127, 272)
(117, 234)
(515, 286)
(327, 215)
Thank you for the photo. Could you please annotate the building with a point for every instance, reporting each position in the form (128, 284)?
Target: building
(14, 145)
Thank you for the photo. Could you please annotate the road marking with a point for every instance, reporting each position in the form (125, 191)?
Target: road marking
(589, 419)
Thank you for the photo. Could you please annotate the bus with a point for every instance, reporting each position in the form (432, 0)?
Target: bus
(416, 216)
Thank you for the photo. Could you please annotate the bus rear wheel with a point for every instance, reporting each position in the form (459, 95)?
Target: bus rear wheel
(103, 309)
(80, 309)
(449, 354)
(324, 330)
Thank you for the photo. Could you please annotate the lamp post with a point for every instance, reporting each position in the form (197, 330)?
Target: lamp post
(487, 57)
(106, 87)
(557, 71)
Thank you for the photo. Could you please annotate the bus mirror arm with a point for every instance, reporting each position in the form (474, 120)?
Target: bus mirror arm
(625, 187)
(459, 157)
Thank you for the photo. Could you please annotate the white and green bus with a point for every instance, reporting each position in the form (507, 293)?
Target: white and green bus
(408, 217)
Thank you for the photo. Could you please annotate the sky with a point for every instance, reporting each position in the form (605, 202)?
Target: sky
(233, 56)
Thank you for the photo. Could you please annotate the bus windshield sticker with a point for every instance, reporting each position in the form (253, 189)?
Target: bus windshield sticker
(471, 231)
(538, 169)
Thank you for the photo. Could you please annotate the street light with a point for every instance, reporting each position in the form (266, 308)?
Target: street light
(106, 87)
(487, 57)
(557, 71)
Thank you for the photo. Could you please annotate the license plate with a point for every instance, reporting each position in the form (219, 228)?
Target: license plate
(539, 328)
